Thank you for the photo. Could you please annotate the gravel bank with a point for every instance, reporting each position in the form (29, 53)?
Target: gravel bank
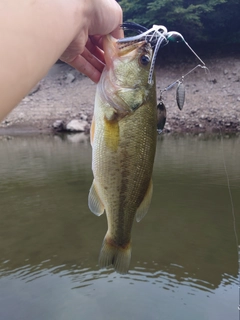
(212, 99)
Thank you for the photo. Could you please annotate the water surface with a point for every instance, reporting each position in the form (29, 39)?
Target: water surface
(184, 260)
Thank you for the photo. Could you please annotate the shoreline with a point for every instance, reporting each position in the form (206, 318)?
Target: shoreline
(212, 102)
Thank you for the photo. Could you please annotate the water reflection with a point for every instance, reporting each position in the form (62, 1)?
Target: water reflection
(184, 247)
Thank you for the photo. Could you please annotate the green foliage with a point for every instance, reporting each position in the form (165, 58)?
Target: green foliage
(198, 21)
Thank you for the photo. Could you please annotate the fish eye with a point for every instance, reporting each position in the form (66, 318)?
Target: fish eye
(144, 60)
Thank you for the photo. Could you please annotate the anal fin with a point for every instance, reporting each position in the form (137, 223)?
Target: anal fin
(144, 206)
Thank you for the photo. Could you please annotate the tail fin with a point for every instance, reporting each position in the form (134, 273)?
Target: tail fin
(112, 254)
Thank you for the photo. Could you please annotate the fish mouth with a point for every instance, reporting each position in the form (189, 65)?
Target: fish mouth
(113, 48)
(150, 35)
(156, 37)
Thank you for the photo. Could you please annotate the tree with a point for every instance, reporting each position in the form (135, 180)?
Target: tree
(201, 21)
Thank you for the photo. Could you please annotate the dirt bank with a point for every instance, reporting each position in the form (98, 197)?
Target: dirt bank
(212, 99)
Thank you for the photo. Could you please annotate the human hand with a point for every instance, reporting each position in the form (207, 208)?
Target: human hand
(85, 51)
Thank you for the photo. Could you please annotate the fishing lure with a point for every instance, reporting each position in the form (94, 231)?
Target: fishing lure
(180, 95)
(158, 36)
(161, 116)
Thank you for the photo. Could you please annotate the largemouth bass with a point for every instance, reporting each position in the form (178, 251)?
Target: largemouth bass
(123, 138)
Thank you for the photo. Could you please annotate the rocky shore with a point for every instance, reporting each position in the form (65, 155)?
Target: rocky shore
(212, 100)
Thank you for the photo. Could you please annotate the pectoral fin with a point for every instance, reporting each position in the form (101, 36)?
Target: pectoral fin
(94, 202)
(144, 206)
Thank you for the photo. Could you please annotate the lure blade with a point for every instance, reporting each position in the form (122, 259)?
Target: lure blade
(161, 116)
(180, 95)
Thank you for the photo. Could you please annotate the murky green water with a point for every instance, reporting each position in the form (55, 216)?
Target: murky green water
(184, 260)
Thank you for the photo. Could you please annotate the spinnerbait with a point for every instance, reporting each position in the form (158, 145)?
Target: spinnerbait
(158, 36)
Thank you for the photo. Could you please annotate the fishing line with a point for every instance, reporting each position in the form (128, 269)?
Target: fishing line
(233, 217)
(193, 52)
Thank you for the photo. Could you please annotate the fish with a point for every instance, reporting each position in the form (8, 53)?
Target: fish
(123, 137)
